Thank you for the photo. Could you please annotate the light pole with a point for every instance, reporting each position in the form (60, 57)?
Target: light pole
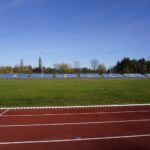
(110, 65)
(42, 66)
(110, 70)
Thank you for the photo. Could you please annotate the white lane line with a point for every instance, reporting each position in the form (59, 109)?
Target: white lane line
(75, 140)
(4, 112)
(74, 123)
(71, 114)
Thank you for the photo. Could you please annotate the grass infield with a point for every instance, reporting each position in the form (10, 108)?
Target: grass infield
(66, 92)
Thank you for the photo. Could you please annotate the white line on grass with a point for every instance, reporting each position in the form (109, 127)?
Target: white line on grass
(74, 123)
(75, 140)
(74, 114)
(72, 107)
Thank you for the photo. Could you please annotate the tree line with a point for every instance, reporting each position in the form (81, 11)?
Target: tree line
(126, 65)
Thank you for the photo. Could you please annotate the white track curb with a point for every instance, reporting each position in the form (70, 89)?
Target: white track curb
(74, 107)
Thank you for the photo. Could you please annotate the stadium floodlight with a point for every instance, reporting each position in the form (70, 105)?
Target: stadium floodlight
(110, 70)
(110, 66)
(42, 70)
(42, 66)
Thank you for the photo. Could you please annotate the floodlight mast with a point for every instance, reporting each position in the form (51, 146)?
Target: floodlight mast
(110, 70)
(42, 70)
(110, 65)
(42, 66)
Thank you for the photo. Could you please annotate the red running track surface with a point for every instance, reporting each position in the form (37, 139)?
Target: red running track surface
(111, 128)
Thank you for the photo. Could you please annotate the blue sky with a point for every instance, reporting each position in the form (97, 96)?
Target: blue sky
(68, 30)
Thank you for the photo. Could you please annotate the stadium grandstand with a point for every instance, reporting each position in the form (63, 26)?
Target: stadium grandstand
(136, 75)
(70, 76)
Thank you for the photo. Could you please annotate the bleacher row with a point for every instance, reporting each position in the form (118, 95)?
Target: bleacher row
(82, 75)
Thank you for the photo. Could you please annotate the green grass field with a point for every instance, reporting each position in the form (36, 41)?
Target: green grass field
(73, 92)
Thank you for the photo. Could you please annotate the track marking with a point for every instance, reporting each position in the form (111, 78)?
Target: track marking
(70, 107)
(75, 123)
(73, 114)
(75, 140)
(4, 112)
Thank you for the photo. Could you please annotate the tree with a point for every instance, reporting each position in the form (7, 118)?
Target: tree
(148, 66)
(101, 68)
(7, 69)
(62, 68)
(65, 68)
(27, 69)
(76, 66)
(141, 65)
(56, 67)
(17, 69)
(126, 65)
(84, 70)
(94, 64)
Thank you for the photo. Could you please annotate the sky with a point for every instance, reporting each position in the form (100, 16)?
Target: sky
(73, 30)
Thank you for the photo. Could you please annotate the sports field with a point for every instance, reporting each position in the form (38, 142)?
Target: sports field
(73, 92)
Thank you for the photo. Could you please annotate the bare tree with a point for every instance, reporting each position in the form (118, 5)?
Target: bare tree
(94, 64)
(56, 66)
(76, 64)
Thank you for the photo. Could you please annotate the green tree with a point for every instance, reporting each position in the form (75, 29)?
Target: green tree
(94, 64)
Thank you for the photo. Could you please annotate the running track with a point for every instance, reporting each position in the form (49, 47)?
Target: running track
(76, 128)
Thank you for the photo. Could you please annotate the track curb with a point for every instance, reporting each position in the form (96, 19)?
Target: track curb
(74, 107)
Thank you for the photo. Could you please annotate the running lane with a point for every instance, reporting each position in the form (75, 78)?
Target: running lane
(73, 117)
(64, 129)
(141, 143)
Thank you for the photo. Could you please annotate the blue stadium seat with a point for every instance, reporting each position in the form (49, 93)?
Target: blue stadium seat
(148, 75)
(135, 75)
(21, 76)
(82, 75)
(2, 76)
(107, 75)
(113, 75)
(9, 76)
(94, 75)
(36, 75)
(47, 76)
(72, 75)
(61, 76)
(90, 75)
